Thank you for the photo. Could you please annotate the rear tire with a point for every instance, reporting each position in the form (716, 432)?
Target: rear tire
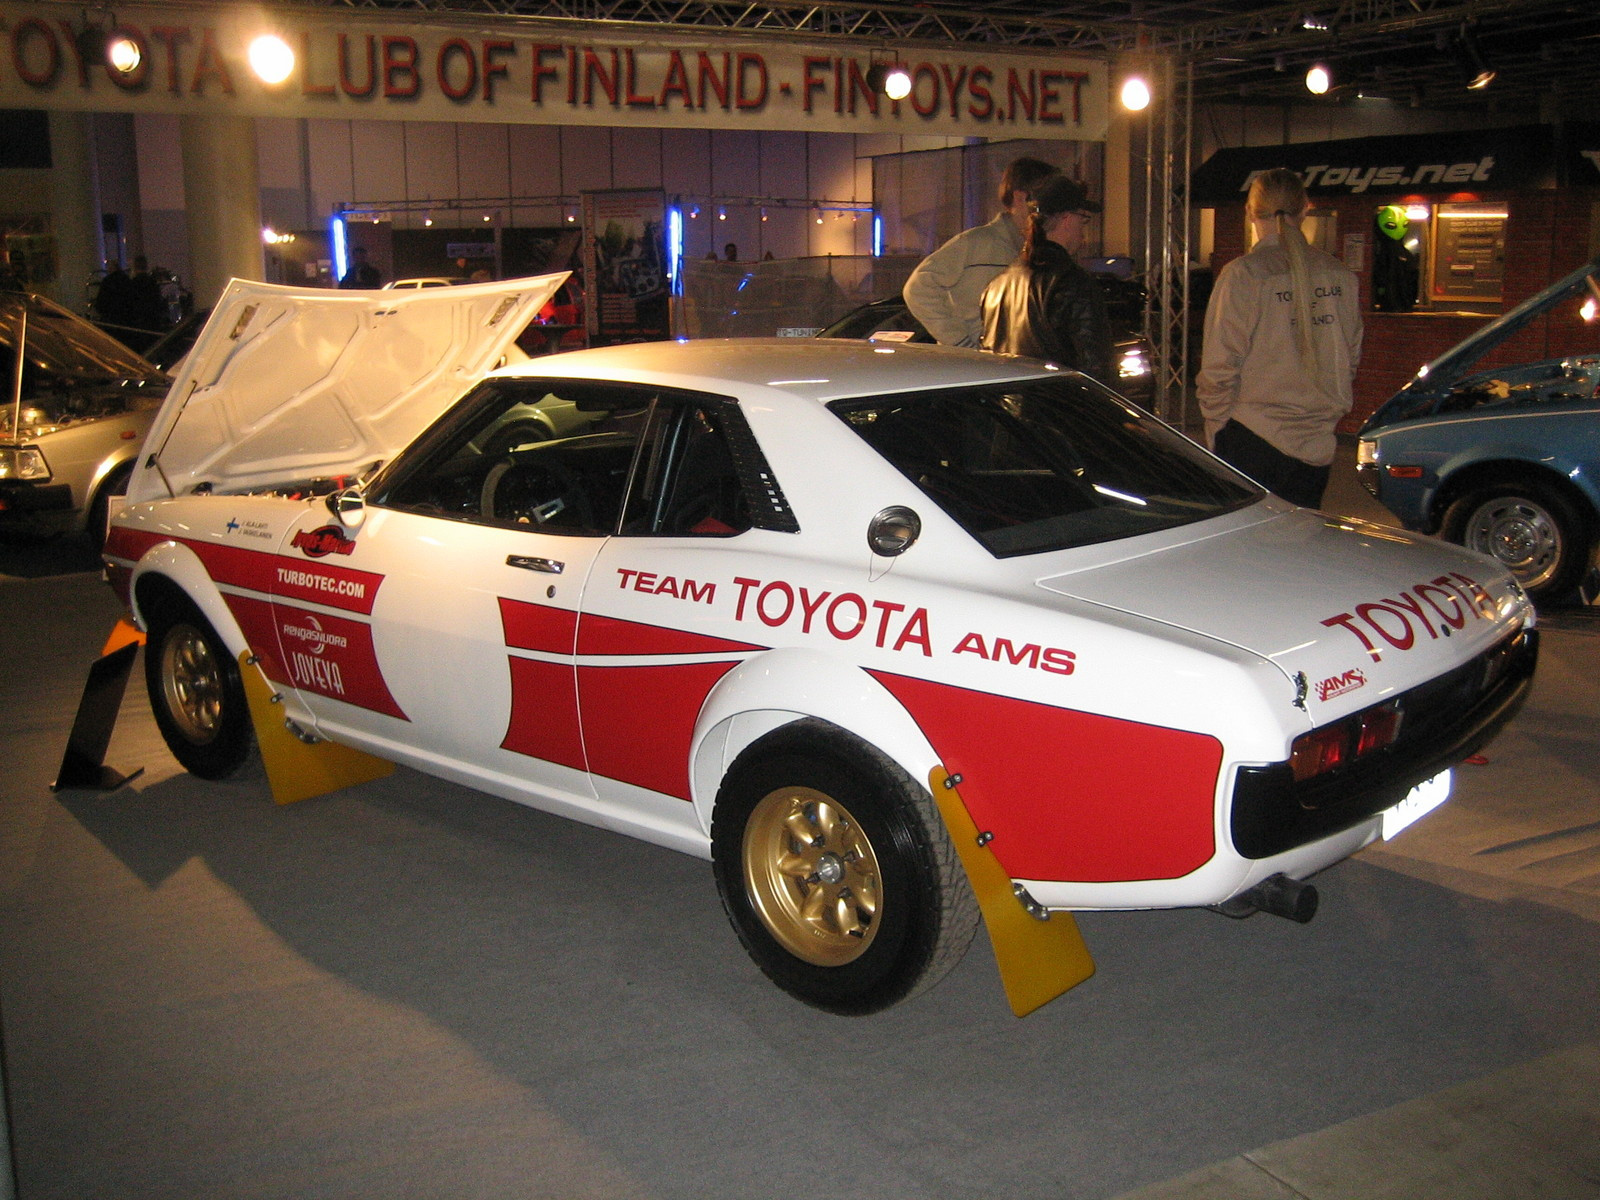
(1534, 531)
(836, 871)
(196, 693)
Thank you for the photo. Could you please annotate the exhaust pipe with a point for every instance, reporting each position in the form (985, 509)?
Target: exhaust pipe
(1279, 895)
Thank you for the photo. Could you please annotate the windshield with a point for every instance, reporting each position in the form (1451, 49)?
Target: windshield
(1047, 464)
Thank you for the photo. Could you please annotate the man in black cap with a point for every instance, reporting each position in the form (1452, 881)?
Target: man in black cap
(1045, 305)
(945, 290)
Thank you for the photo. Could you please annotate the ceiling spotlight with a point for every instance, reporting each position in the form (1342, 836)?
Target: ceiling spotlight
(1319, 79)
(124, 54)
(271, 58)
(1135, 94)
(1478, 73)
(891, 79)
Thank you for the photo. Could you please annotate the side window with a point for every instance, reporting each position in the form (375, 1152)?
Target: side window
(688, 482)
(527, 455)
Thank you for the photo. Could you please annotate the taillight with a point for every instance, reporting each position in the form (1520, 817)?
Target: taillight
(1379, 728)
(1320, 750)
(1332, 746)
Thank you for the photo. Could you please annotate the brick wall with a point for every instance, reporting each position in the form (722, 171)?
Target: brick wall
(1548, 233)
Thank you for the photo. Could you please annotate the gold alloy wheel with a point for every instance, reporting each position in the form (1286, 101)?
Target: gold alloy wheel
(192, 682)
(812, 875)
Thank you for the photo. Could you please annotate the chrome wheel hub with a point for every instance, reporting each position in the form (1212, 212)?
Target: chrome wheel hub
(1520, 534)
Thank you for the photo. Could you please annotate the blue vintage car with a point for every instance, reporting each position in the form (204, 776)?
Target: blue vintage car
(1506, 461)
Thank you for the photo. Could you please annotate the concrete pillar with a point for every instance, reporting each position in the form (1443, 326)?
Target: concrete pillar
(1119, 197)
(74, 207)
(222, 203)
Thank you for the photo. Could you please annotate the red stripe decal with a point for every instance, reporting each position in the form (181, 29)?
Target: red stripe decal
(638, 721)
(538, 627)
(544, 713)
(1072, 795)
(260, 634)
(610, 635)
(336, 587)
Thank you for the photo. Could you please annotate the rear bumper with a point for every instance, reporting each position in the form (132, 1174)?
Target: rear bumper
(1447, 719)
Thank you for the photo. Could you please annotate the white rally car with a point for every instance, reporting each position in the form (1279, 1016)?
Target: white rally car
(879, 630)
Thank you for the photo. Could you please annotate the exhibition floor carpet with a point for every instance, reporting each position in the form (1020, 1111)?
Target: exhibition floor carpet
(408, 989)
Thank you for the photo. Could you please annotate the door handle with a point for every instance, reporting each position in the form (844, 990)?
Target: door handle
(528, 563)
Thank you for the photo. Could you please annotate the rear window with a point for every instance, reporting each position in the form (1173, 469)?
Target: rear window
(1047, 464)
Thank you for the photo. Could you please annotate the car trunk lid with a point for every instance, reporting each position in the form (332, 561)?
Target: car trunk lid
(1350, 611)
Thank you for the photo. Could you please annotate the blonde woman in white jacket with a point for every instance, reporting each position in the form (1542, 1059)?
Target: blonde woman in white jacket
(1282, 342)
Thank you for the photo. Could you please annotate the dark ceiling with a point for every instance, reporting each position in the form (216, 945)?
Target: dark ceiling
(1546, 52)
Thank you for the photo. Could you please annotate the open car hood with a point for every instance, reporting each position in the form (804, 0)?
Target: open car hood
(1434, 382)
(289, 384)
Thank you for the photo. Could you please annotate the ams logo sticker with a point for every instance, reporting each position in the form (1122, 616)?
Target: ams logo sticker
(1337, 685)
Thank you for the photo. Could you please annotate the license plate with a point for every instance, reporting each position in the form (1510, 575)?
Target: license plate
(1419, 801)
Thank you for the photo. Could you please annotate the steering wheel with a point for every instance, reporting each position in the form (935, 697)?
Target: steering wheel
(535, 493)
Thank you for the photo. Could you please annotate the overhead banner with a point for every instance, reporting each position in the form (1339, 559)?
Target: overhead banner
(1429, 164)
(197, 60)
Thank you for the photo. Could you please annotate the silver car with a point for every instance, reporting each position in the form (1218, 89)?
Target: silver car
(76, 409)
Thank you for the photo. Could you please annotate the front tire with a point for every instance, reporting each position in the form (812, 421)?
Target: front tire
(836, 871)
(1533, 531)
(196, 693)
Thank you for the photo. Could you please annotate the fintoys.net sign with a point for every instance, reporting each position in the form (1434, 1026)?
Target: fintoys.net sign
(195, 60)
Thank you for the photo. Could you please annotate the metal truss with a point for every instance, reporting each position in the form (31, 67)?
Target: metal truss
(1169, 161)
(988, 24)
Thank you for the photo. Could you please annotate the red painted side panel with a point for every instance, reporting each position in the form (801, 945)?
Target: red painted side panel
(544, 713)
(1068, 795)
(334, 657)
(260, 634)
(321, 583)
(540, 627)
(638, 721)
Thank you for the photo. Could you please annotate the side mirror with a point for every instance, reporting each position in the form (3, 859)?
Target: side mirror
(893, 531)
(348, 507)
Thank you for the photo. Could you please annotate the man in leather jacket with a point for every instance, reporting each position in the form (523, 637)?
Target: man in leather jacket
(1045, 305)
(945, 290)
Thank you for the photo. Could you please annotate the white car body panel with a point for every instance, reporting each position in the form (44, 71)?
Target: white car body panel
(619, 690)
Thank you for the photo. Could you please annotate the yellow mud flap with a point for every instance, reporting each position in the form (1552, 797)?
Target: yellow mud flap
(299, 770)
(1038, 960)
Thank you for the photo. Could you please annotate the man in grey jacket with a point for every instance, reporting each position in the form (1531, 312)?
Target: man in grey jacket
(945, 292)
